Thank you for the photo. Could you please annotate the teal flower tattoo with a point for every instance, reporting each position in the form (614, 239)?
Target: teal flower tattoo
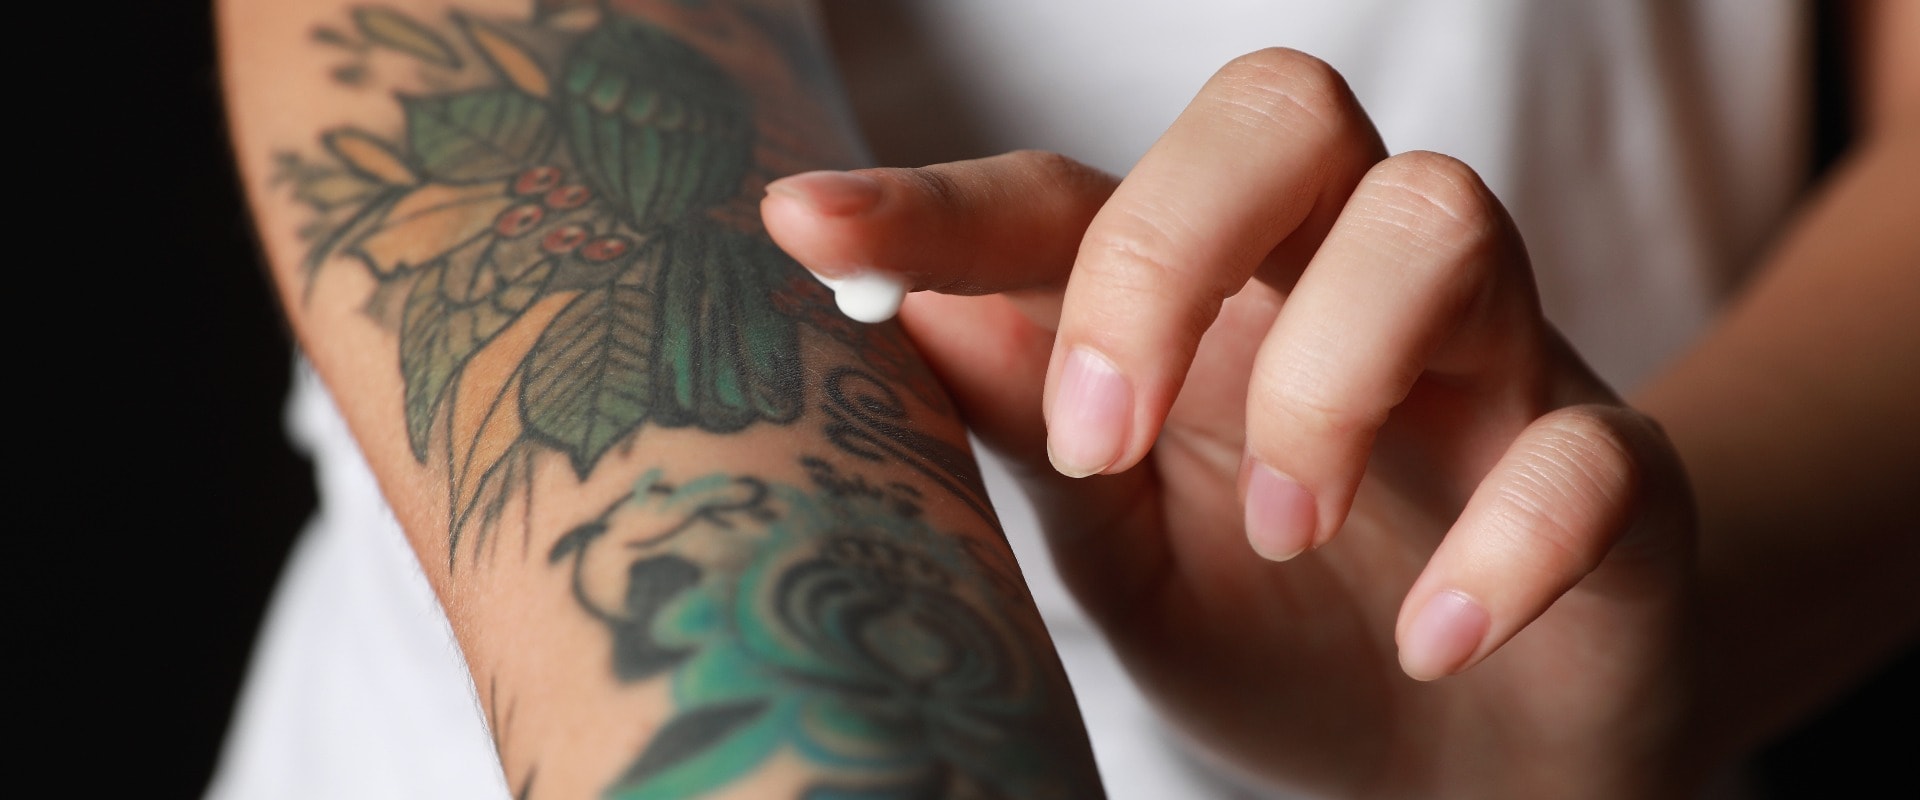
(840, 628)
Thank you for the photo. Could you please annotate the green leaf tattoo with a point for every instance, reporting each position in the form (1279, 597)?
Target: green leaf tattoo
(728, 358)
(577, 179)
(457, 305)
(655, 126)
(488, 134)
(588, 380)
(392, 29)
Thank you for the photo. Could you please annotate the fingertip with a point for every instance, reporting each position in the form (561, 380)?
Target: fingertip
(1443, 636)
(823, 220)
(829, 193)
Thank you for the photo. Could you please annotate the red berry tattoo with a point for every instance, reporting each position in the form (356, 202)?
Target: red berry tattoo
(518, 220)
(605, 248)
(568, 197)
(537, 180)
(564, 239)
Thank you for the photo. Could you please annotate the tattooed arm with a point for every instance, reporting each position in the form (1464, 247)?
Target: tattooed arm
(696, 532)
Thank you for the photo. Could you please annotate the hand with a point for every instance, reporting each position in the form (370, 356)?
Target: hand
(1271, 334)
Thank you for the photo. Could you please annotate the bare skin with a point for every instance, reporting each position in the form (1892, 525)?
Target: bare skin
(1342, 366)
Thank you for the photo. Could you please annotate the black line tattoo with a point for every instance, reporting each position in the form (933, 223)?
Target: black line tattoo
(867, 420)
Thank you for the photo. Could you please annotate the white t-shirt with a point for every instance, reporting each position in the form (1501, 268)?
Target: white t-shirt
(1646, 151)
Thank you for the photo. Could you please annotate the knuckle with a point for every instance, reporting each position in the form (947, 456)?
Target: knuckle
(1135, 243)
(1047, 163)
(941, 187)
(1437, 199)
(1538, 526)
(1314, 407)
(1132, 252)
(1629, 457)
(1134, 267)
(1278, 84)
(1060, 176)
(1573, 482)
(1594, 438)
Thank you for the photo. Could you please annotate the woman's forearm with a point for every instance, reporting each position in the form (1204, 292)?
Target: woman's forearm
(695, 531)
(1796, 419)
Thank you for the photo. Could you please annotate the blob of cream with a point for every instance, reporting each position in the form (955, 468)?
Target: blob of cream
(867, 296)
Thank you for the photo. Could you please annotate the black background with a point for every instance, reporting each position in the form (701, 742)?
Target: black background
(195, 447)
(199, 455)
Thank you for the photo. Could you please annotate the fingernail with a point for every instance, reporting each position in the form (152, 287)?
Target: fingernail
(834, 194)
(1444, 635)
(1280, 514)
(1092, 409)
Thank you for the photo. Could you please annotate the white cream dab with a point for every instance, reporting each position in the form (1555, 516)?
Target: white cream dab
(867, 296)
